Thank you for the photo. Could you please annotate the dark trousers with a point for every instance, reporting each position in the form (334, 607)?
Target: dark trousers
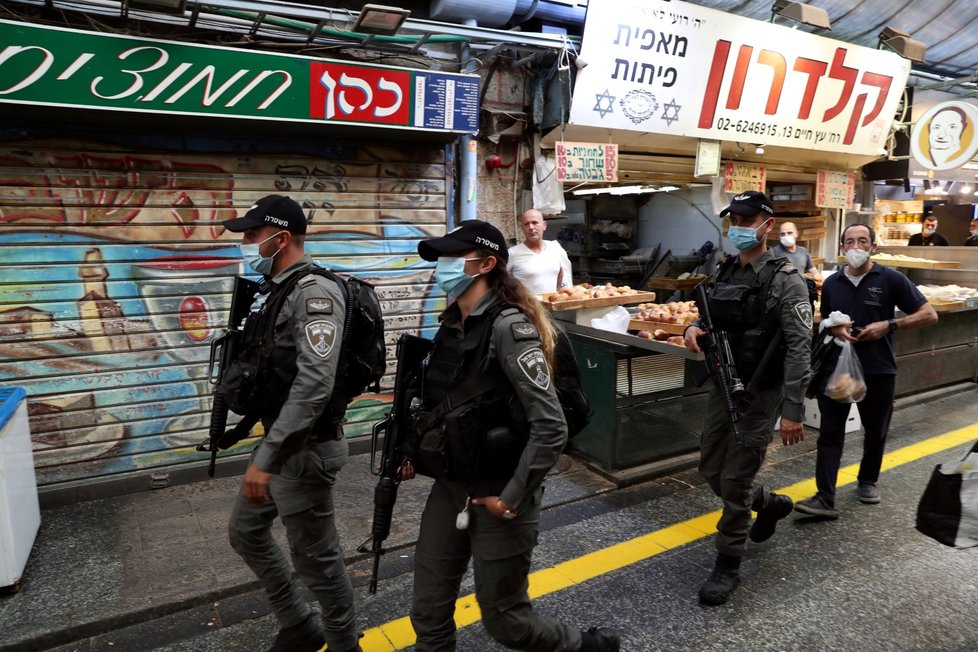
(875, 411)
(500, 552)
(730, 468)
(302, 496)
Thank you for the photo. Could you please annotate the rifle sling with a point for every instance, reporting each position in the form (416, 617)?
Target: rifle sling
(762, 365)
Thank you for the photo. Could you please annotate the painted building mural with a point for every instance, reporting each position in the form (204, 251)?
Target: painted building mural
(116, 276)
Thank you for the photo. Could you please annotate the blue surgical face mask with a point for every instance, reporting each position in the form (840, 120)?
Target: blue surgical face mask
(930, 231)
(743, 237)
(251, 253)
(451, 277)
(973, 232)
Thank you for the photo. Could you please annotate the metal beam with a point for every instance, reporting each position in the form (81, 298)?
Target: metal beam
(430, 27)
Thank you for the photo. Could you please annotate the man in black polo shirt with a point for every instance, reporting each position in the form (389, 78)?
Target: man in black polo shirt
(928, 236)
(868, 293)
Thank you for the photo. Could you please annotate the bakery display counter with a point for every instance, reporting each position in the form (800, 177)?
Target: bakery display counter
(939, 355)
(645, 403)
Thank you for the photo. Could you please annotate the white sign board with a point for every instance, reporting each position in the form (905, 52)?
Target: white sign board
(671, 67)
(586, 162)
(834, 189)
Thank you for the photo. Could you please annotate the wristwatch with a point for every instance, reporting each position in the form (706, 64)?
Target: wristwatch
(893, 326)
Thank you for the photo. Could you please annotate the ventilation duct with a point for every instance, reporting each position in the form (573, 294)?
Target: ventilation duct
(500, 13)
(495, 13)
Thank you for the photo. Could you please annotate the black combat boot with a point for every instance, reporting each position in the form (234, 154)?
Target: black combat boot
(600, 639)
(723, 581)
(775, 508)
(307, 636)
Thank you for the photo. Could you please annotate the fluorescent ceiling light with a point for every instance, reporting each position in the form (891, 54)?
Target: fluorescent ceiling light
(592, 191)
(624, 190)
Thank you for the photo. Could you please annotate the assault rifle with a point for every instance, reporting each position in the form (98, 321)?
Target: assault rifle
(226, 347)
(411, 352)
(720, 363)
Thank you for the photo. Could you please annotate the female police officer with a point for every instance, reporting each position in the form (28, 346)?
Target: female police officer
(487, 510)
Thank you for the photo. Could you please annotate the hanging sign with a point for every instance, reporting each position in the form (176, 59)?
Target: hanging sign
(835, 189)
(53, 66)
(707, 158)
(944, 139)
(741, 177)
(577, 162)
(671, 67)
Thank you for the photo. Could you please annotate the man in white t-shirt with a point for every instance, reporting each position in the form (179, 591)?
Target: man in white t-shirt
(542, 265)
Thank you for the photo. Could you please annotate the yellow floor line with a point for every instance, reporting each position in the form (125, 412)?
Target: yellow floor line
(398, 634)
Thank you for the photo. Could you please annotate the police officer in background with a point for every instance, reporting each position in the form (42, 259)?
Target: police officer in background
(493, 517)
(759, 301)
(292, 471)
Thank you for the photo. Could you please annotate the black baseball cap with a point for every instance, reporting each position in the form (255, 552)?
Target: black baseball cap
(470, 234)
(273, 210)
(749, 204)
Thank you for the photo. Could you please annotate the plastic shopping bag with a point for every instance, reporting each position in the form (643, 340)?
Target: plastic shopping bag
(615, 321)
(948, 510)
(847, 384)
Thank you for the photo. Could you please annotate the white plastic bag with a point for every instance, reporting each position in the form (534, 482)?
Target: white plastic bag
(847, 384)
(548, 191)
(615, 320)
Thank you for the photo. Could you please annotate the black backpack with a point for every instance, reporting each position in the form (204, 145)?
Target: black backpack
(363, 353)
(567, 374)
(363, 356)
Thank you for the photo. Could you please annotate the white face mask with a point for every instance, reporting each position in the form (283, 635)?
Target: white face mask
(788, 240)
(856, 257)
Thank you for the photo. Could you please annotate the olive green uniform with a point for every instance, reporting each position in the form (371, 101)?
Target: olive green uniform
(730, 468)
(500, 550)
(304, 468)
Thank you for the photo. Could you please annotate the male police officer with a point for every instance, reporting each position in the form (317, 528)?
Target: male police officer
(759, 301)
(293, 469)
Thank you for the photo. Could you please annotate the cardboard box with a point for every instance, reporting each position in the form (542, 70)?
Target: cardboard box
(813, 417)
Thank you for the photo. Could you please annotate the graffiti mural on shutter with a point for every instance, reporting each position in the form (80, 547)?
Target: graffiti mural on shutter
(116, 276)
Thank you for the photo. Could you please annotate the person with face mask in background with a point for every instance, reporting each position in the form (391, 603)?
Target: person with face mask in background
(761, 302)
(788, 247)
(867, 293)
(928, 236)
(489, 514)
(972, 240)
(293, 469)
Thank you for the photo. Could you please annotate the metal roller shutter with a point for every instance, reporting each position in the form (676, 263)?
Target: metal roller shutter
(115, 277)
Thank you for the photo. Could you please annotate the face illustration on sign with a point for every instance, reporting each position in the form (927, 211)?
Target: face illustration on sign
(944, 137)
(944, 134)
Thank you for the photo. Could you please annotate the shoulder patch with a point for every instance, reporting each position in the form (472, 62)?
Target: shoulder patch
(803, 310)
(523, 330)
(321, 336)
(319, 306)
(534, 365)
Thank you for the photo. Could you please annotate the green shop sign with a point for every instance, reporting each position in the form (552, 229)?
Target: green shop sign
(72, 68)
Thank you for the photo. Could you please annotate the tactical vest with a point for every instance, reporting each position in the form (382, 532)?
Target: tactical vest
(479, 441)
(260, 379)
(744, 313)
